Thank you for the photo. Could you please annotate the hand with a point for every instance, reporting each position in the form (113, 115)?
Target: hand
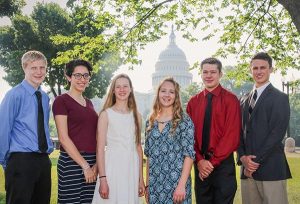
(179, 194)
(147, 194)
(249, 164)
(95, 169)
(205, 168)
(248, 173)
(103, 189)
(89, 175)
(141, 188)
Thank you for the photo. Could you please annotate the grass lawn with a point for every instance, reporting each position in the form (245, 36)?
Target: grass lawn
(293, 184)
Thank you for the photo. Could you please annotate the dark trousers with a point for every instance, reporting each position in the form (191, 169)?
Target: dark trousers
(219, 187)
(28, 178)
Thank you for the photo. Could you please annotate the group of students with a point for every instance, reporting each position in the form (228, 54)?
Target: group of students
(101, 157)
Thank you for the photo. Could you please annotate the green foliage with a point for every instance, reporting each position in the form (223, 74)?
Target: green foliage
(33, 33)
(10, 7)
(188, 92)
(242, 27)
(295, 117)
(231, 82)
(82, 37)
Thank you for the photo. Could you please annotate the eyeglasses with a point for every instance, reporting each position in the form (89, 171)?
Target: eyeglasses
(79, 76)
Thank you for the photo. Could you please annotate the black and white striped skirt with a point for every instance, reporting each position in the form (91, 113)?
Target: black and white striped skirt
(71, 181)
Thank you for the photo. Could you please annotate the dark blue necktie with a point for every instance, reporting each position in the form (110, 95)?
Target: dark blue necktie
(43, 146)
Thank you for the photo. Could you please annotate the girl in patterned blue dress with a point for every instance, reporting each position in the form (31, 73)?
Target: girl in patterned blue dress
(169, 148)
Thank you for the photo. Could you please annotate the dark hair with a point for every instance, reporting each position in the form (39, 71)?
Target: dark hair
(212, 60)
(70, 66)
(263, 56)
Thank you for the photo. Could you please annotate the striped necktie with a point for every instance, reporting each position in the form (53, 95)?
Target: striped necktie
(252, 102)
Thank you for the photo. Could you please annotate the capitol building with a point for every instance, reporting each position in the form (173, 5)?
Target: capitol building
(171, 62)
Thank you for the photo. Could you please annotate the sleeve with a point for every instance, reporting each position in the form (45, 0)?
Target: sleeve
(146, 148)
(229, 142)
(187, 140)
(9, 109)
(189, 110)
(59, 106)
(278, 123)
(241, 147)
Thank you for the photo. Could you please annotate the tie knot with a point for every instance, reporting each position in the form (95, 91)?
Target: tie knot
(254, 94)
(38, 94)
(209, 96)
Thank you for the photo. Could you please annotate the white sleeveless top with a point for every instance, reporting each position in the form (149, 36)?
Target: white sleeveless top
(121, 161)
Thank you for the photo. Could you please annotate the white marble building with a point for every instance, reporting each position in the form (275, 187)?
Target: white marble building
(171, 62)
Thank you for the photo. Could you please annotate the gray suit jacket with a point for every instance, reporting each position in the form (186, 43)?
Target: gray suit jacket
(262, 134)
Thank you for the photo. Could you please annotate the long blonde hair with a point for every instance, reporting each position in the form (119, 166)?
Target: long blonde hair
(111, 100)
(177, 109)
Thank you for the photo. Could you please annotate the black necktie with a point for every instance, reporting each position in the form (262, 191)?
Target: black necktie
(206, 125)
(43, 146)
(252, 102)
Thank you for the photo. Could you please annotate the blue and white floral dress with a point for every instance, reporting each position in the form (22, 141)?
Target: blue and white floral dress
(166, 153)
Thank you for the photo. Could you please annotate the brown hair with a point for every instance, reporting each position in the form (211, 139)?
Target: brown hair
(212, 60)
(263, 56)
(177, 109)
(111, 100)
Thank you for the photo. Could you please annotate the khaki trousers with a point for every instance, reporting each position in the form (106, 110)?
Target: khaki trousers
(263, 192)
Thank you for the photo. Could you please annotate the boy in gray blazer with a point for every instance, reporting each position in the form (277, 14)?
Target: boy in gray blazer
(265, 117)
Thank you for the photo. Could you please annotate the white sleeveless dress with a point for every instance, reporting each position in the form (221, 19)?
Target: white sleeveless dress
(121, 161)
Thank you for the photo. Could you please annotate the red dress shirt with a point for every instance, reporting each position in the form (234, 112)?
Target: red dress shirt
(225, 123)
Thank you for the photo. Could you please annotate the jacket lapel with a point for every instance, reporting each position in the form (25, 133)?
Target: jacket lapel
(245, 111)
(261, 99)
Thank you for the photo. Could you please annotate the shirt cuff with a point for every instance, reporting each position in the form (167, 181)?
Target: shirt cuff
(215, 162)
(199, 157)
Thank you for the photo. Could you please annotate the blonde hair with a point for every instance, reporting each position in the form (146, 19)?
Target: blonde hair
(32, 56)
(177, 109)
(111, 100)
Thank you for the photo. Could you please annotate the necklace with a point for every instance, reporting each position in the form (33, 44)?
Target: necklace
(163, 122)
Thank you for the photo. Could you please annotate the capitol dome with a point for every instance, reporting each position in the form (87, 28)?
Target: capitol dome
(172, 62)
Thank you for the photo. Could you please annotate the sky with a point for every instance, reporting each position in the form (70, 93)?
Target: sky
(141, 75)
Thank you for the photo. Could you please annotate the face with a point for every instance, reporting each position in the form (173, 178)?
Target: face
(122, 89)
(35, 72)
(79, 79)
(260, 70)
(211, 76)
(166, 94)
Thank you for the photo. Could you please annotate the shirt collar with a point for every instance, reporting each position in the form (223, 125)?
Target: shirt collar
(261, 89)
(30, 89)
(215, 92)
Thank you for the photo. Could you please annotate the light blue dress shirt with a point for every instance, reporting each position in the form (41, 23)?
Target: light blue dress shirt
(18, 127)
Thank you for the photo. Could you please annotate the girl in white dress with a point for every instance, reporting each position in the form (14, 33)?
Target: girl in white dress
(119, 150)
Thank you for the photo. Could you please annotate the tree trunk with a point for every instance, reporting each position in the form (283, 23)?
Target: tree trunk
(293, 7)
(59, 89)
(53, 91)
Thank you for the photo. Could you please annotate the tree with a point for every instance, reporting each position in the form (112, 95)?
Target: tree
(230, 83)
(188, 92)
(242, 27)
(35, 32)
(10, 7)
(295, 117)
